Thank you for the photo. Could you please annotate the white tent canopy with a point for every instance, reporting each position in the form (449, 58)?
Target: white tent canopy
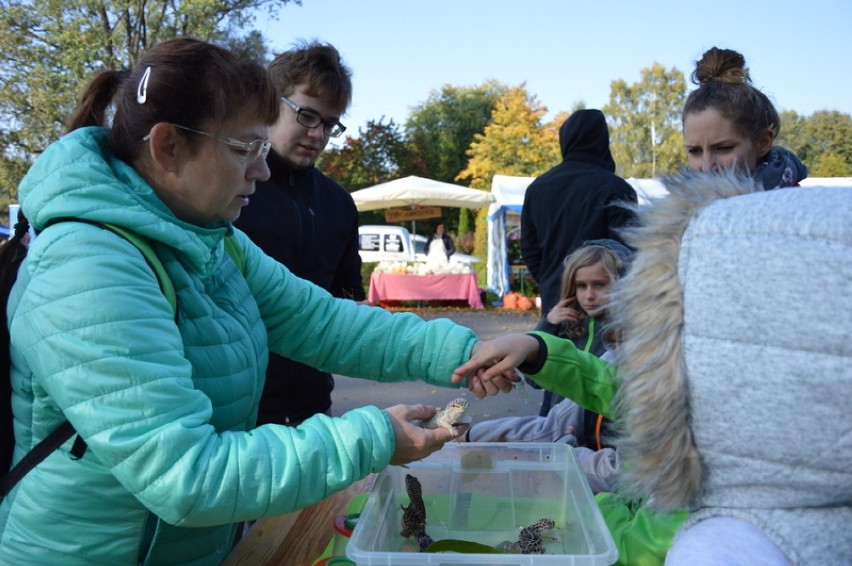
(414, 190)
(509, 195)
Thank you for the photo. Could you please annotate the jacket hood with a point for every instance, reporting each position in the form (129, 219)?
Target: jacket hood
(77, 177)
(584, 136)
(733, 381)
(620, 250)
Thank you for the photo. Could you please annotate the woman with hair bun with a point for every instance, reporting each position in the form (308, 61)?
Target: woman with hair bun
(730, 124)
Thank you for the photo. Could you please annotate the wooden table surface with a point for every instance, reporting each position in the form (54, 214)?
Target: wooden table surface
(298, 538)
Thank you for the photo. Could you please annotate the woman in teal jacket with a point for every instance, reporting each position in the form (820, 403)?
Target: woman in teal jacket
(166, 402)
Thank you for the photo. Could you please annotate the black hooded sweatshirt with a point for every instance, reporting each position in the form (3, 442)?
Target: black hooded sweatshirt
(309, 223)
(573, 202)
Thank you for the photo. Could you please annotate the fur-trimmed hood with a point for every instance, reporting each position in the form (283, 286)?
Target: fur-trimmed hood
(735, 370)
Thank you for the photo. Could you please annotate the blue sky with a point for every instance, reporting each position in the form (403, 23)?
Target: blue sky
(569, 51)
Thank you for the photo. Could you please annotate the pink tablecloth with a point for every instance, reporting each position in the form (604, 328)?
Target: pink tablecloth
(446, 287)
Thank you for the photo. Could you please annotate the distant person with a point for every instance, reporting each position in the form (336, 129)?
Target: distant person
(440, 240)
(730, 124)
(575, 201)
(301, 217)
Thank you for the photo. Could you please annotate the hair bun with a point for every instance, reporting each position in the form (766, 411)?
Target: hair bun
(722, 65)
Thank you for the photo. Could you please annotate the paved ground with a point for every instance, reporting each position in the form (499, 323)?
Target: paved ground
(351, 393)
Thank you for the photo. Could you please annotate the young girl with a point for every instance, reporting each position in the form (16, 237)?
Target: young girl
(729, 124)
(589, 273)
(580, 315)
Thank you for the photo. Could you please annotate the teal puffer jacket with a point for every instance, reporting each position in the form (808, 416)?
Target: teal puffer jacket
(167, 409)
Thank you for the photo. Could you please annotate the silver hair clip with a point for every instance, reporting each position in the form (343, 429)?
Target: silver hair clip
(142, 89)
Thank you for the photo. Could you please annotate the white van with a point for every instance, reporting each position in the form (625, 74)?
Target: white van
(395, 243)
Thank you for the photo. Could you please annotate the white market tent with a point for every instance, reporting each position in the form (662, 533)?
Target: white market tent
(414, 190)
(509, 196)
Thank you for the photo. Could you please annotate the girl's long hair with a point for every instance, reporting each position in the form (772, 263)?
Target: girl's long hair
(586, 256)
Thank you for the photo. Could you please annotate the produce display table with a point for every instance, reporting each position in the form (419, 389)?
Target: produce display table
(436, 287)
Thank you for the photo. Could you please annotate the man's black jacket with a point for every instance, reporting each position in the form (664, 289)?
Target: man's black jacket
(309, 223)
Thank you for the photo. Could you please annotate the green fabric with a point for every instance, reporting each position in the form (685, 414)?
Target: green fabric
(580, 376)
(168, 409)
(642, 536)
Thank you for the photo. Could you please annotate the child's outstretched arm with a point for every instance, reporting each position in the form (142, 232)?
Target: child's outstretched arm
(495, 360)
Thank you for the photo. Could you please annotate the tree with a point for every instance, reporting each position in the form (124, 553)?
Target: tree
(442, 128)
(645, 123)
(516, 142)
(380, 153)
(52, 47)
(823, 141)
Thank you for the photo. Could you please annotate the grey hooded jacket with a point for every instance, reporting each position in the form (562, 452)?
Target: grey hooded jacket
(735, 368)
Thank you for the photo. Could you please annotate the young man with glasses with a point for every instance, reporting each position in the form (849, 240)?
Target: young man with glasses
(301, 217)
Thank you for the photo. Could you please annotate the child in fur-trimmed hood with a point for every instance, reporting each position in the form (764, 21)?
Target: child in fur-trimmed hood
(725, 408)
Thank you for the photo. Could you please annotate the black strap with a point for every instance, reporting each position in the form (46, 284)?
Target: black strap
(50, 443)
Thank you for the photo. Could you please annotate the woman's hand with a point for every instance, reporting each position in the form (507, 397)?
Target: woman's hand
(565, 312)
(491, 367)
(414, 442)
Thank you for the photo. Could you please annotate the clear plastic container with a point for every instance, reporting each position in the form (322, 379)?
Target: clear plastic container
(484, 493)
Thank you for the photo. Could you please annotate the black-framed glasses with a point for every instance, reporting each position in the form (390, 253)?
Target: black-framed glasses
(310, 119)
(253, 150)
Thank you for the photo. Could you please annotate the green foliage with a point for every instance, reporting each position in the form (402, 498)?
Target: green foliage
(442, 128)
(465, 240)
(830, 165)
(379, 154)
(52, 47)
(367, 269)
(822, 141)
(480, 246)
(645, 124)
(514, 143)
(11, 171)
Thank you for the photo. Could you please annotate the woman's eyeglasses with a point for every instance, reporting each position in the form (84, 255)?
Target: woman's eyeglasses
(257, 149)
(251, 151)
(310, 119)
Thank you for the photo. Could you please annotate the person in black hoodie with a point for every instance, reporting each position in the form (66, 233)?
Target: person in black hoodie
(303, 218)
(580, 199)
(576, 201)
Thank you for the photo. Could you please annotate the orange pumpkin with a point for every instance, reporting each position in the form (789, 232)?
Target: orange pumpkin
(525, 303)
(510, 300)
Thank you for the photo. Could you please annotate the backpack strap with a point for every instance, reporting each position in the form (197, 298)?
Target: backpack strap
(144, 245)
(42, 450)
(65, 431)
(235, 252)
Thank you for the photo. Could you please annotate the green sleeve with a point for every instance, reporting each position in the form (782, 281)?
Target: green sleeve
(582, 377)
(643, 537)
